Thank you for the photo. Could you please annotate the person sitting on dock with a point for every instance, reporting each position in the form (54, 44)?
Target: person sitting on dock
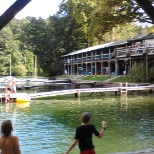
(84, 133)
(9, 144)
(7, 94)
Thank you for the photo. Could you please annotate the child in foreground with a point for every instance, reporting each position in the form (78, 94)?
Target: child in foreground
(9, 144)
(83, 135)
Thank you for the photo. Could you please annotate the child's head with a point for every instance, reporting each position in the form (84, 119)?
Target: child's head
(6, 128)
(85, 117)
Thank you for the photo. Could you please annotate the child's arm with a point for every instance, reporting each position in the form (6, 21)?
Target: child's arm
(17, 149)
(104, 125)
(72, 146)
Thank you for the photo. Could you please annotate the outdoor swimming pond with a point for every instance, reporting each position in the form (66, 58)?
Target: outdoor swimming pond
(48, 126)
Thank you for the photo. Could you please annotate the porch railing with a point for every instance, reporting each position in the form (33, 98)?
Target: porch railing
(134, 50)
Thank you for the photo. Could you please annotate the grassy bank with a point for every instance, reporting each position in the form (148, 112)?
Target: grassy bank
(97, 78)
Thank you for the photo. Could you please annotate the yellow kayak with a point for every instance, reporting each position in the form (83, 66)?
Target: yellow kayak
(22, 100)
(23, 104)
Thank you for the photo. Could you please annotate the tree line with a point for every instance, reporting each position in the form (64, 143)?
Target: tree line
(77, 24)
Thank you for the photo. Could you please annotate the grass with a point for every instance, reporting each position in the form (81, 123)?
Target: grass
(122, 79)
(64, 76)
(99, 78)
(87, 77)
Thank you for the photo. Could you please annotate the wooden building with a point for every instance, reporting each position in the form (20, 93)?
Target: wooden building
(114, 58)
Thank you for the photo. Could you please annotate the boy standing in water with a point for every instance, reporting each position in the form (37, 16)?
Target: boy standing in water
(13, 87)
(83, 135)
(9, 144)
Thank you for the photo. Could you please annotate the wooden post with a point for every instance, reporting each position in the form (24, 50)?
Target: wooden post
(126, 88)
(147, 68)
(77, 94)
(121, 88)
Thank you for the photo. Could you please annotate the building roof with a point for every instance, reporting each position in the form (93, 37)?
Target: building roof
(140, 38)
(111, 44)
(101, 46)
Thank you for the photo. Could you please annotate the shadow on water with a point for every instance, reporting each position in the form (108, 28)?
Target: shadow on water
(48, 126)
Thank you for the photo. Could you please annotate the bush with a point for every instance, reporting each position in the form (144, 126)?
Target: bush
(137, 72)
(151, 74)
(19, 70)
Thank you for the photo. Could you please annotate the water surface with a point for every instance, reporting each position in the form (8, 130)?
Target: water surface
(48, 126)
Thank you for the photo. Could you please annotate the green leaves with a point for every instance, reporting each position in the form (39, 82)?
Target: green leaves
(78, 24)
(138, 72)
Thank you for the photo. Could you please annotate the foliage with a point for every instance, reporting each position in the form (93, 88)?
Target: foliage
(19, 70)
(108, 15)
(77, 25)
(151, 74)
(122, 32)
(137, 72)
(11, 50)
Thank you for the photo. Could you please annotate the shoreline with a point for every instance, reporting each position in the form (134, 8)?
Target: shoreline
(136, 152)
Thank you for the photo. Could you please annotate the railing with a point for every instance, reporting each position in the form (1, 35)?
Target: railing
(134, 50)
(120, 52)
(88, 58)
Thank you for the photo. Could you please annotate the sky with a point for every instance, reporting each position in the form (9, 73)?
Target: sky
(35, 8)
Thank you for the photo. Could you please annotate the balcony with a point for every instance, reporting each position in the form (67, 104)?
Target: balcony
(134, 51)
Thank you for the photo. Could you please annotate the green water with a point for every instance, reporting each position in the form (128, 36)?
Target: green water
(48, 126)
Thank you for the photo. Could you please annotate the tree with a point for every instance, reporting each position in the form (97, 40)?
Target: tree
(99, 17)
(8, 46)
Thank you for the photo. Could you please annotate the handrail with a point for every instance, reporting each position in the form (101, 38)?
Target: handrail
(119, 52)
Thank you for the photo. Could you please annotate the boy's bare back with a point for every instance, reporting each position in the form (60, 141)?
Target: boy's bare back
(9, 145)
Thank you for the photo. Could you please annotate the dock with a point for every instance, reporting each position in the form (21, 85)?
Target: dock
(102, 91)
(117, 90)
(13, 97)
(57, 83)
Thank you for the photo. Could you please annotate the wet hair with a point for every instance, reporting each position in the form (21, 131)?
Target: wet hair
(85, 117)
(6, 128)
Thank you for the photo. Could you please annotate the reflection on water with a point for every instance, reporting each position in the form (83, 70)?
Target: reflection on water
(47, 127)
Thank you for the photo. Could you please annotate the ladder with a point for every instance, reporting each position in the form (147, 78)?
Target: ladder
(123, 89)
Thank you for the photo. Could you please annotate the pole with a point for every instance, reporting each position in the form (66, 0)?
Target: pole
(10, 64)
(147, 6)
(35, 72)
(9, 14)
